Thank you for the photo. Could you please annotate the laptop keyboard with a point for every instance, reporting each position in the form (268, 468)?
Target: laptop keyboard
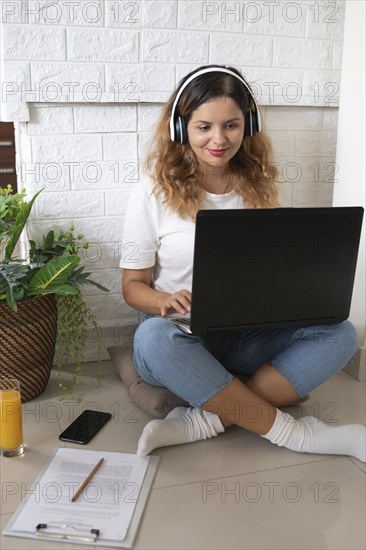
(182, 322)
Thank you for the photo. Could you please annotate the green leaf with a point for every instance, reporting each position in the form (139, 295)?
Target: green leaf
(52, 276)
(79, 278)
(65, 290)
(13, 278)
(20, 221)
(101, 287)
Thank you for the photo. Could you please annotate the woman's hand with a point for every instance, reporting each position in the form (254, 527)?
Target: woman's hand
(176, 302)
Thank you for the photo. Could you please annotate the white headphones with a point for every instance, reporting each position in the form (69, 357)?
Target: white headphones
(178, 125)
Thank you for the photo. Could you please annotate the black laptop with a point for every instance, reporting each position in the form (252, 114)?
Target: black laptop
(265, 268)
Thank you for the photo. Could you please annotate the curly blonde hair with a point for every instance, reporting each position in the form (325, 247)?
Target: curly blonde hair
(173, 167)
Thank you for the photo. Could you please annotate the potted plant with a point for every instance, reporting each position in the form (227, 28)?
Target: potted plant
(43, 316)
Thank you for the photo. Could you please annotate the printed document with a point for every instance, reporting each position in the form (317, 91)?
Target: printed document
(106, 504)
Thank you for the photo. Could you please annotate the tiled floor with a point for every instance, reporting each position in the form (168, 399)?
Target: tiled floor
(236, 491)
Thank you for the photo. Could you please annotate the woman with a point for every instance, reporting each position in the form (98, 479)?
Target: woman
(211, 152)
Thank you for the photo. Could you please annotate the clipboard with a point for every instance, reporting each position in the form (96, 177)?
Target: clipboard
(61, 532)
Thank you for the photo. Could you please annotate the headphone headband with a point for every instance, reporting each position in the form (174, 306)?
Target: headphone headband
(199, 73)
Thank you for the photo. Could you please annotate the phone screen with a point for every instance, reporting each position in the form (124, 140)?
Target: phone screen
(85, 427)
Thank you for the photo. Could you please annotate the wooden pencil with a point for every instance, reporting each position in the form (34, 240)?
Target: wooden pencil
(87, 480)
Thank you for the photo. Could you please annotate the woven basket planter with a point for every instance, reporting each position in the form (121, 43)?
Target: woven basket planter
(27, 343)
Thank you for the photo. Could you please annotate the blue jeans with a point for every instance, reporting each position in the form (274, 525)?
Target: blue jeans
(196, 368)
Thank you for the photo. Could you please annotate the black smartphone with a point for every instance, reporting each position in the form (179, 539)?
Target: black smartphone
(85, 426)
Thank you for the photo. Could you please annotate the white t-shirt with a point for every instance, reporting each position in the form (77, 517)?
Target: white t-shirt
(155, 236)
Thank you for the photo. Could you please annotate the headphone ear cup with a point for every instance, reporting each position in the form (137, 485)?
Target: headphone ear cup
(249, 130)
(251, 124)
(181, 135)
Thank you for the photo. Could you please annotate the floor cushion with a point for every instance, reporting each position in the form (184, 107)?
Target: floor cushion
(152, 399)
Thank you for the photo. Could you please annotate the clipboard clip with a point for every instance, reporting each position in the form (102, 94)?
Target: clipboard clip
(42, 529)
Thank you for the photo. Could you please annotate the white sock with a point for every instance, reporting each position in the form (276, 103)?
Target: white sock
(310, 435)
(181, 425)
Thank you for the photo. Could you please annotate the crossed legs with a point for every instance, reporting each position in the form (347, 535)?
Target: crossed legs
(263, 391)
(185, 364)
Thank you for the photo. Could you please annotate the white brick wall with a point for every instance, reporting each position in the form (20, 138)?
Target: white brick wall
(86, 79)
(133, 50)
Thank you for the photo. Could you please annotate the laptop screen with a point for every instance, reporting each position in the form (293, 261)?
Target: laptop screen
(261, 268)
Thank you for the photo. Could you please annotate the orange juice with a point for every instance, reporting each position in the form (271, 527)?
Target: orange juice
(11, 432)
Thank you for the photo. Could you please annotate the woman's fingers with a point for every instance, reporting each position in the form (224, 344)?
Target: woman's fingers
(177, 301)
(174, 305)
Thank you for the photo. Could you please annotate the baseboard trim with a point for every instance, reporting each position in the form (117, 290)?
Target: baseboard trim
(357, 368)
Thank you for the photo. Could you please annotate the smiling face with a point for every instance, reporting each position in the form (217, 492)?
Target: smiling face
(215, 131)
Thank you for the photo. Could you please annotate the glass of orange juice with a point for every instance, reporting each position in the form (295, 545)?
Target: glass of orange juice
(11, 431)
